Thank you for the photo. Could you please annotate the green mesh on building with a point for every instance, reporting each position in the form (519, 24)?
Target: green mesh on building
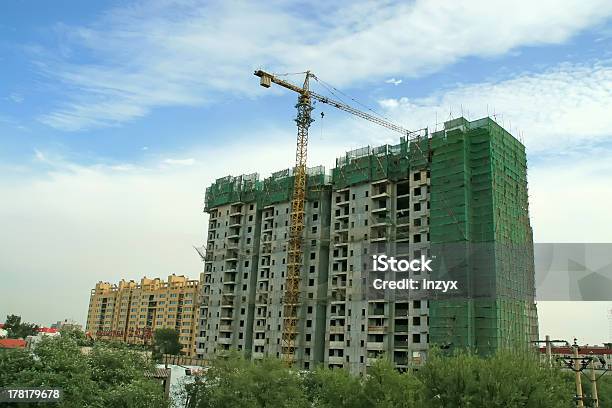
(230, 189)
(278, 187)
(275, 189)
(392, 162)
(479, 196)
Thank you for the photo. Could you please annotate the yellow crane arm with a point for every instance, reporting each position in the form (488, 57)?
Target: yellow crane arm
(267, 79)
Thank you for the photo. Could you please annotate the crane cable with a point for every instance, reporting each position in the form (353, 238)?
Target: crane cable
(331, 89)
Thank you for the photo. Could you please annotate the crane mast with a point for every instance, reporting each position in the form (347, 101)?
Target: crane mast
(304, 107)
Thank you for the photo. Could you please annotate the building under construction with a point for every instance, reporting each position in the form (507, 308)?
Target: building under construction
(464, 185)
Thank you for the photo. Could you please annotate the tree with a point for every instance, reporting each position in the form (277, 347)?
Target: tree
(385, 387)
(166, 341)
(77, 335)
(18, 330)
(12, 322)
(334, 388)
(233, 381)
(107, 377)
(462, 380)
(507, 379)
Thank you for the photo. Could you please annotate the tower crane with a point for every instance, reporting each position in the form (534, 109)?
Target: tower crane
(298, 200)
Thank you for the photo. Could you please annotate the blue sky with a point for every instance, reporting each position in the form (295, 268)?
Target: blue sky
(115, 115)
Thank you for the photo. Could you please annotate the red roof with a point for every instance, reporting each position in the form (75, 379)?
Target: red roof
(46, 330)
(12, 343)
(1, 325)
(581, 350)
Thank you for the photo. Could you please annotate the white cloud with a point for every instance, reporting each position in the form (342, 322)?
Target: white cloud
(180, 162)
(39, 156)
(569, 197)
(562, 108)
(167, 53)
(393, 81)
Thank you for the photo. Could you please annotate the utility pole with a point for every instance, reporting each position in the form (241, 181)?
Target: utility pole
(548, 351)
(579, 397)
(577, 365)
(594, 384)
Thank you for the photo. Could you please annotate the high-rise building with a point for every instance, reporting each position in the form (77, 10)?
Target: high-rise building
(245, 266)
(130, 312)
(463, 187)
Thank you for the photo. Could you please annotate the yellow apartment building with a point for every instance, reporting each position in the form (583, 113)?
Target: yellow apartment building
(130, 311)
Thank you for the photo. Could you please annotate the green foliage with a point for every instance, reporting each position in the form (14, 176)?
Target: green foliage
(604, 390)
(77, 335)
(18, 330)
(463, 380)
(106, 377)
(236, 382)
(504, 380)
(334, 389)
(166, 341)
(382, 387)
(385, 387)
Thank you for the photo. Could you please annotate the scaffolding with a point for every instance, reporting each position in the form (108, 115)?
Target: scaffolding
(392, 162)
(229, 189)
(479, 203)
(278, 187)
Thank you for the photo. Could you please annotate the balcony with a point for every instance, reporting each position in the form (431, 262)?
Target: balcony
(338, 295)
(401, 344)
(402, 220)
(370, 345)
(379, 210)
(402, 235)
(266, 248)
(378, 329)
(336, 345)
(235, 221)
(235, 210)
(379, 193)
(341, 238)
(227, 303)
(378, 236)
(401, 328)
(231, 255)
(259, 342)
